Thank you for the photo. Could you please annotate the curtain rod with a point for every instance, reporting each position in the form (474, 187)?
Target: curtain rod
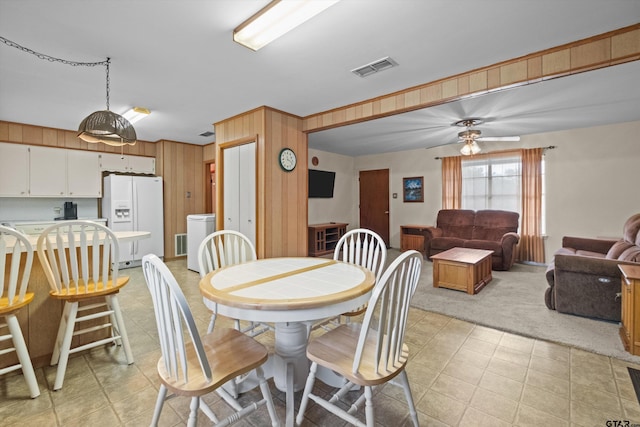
(550, 147)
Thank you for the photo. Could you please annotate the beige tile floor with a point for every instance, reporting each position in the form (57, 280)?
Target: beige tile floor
(461, 374)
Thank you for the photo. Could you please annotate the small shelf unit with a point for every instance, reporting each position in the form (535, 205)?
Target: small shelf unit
(323, 238)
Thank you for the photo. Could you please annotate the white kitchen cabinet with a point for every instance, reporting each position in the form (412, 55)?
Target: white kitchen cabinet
(47, 172)
(14, 170)
(125, 163)
(83, 174)
(239, 175)
(141, 164)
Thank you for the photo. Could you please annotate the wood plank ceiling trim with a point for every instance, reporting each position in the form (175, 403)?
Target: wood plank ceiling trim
(601, 51)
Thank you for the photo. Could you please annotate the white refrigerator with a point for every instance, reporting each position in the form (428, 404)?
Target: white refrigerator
(134, 203)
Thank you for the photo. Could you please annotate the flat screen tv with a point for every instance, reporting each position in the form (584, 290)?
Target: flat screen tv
(321, 184)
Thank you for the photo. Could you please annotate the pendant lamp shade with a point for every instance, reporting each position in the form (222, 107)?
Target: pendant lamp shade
(107, 127)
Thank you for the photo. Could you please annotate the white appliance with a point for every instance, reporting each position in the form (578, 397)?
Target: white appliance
(134, 203)
(198, 227)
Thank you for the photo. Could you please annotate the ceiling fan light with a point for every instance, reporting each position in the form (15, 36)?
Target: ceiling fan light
(470, 148)
(107, 127)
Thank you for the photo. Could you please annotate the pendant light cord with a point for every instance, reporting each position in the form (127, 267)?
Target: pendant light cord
(52, 58)
(62, 61)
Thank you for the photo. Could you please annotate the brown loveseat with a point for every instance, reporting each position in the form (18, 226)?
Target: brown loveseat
(492, 230)
(584, 278)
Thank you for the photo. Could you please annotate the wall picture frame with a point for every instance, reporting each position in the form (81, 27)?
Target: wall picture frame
(413, 189)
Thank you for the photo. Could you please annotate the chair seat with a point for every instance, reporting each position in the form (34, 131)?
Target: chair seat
(230, 353)
(336, 349)
(5, 308)
(91, 290)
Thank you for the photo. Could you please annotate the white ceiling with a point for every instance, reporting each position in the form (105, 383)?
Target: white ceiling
(177, 58)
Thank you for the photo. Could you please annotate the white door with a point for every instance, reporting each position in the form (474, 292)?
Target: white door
(231, 188)
(48, 172)
(113, 162)
(14, 170)
(83, 174)
(117, 205)
(239, 178)
(148, 215)
(247, 191)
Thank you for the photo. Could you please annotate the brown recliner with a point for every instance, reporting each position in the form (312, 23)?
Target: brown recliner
(584, 278)
(493, 230)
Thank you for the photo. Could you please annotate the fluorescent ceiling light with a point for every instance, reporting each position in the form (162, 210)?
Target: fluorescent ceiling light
(276, 19)
(135, 114)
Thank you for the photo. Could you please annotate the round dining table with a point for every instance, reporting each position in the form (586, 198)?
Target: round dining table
(293, 293)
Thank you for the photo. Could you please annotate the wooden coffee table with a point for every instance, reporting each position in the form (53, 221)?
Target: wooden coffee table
(462, 269)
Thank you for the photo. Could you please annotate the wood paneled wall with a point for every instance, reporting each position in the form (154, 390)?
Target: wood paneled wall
(183, 173)
(281, 196)
(600, 51)
(38, 135)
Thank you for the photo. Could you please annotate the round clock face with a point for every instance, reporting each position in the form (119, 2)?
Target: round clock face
(287, 159)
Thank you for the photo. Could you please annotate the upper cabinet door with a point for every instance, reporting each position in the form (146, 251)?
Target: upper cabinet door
(141, 164)
(83, 174)
(135, 164)
(113, 162)
(48, 172)
(14, 170)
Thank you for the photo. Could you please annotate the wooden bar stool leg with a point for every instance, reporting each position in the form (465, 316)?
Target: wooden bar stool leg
(115, 305)
(61, 330)
(23, 355)
(65, 346)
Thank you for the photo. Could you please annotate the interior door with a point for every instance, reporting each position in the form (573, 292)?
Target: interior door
(374, 202)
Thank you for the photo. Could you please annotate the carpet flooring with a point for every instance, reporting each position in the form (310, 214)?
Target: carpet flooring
(514, 302)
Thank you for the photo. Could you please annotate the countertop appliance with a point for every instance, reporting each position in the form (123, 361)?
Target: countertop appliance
(198, 227)
(134, 203)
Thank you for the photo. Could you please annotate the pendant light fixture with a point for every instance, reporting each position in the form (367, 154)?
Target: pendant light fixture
(106, 126)
(102, 126)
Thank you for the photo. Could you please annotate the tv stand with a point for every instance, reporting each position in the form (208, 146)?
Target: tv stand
(323, 238)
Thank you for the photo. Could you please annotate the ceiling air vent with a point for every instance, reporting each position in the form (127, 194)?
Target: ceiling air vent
(374, 67)
(207, 133)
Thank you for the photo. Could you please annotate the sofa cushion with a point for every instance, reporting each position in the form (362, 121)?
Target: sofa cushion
(456, 223)
(618, 248)
(445, 243)
(632, 254)
(494, 246)
(493, 224)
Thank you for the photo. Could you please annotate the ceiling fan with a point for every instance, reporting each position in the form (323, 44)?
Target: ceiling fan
(471, 136)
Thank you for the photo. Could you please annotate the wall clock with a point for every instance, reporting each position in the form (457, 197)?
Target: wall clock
(287, 159)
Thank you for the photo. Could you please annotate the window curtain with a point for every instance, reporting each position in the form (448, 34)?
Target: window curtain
(531, 246)
(452, 182)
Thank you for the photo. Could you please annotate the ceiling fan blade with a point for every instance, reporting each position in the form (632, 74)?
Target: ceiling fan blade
(499, 138)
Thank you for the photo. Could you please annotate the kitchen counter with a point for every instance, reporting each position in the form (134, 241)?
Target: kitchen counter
(122, 236)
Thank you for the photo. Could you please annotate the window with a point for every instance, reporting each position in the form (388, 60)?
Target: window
(492, 183)
(495, 183)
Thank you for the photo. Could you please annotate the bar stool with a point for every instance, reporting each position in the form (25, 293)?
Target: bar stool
(14, 280)
(80, 261)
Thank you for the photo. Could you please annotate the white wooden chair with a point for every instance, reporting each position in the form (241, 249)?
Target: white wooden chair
(195, 366)
(87, 281)
(362, 247)
(15, 269)
(220, 249)
(371, 353)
